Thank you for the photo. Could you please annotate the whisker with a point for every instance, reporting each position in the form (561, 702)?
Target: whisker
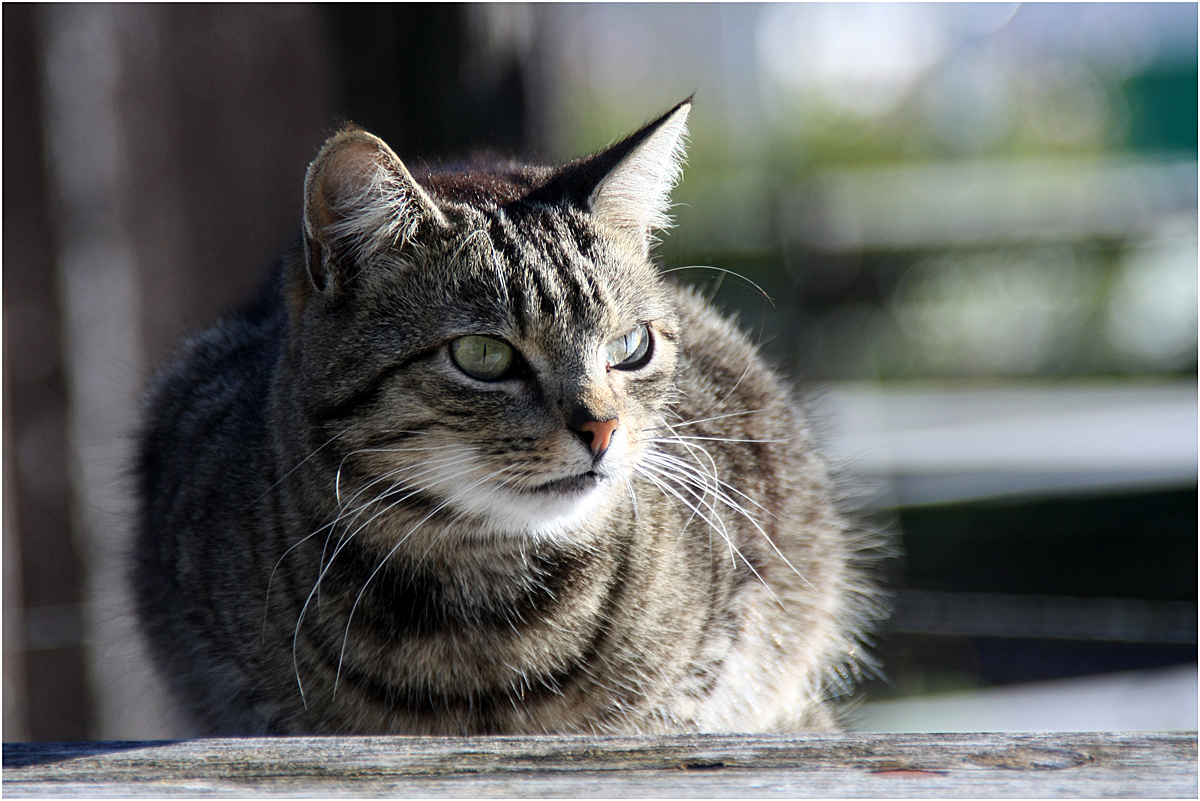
(633, 500)
(278, 562)
(746, 440)
(723, 272)
(713, 518)
(403, 471)
(729, 540)
(739, 508)
(395, 489)
(344, 540)
(428, 467)
(299, 464)
(361, 451)
(696, 421)
(736, 384)
(382, 562)
(723, 485)
(331, 526)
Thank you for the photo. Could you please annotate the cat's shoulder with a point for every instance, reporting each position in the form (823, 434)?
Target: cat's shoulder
(721, 363)
(704, 327)
(225, 366)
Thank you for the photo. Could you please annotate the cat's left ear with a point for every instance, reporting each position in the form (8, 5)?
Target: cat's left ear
(632, 195)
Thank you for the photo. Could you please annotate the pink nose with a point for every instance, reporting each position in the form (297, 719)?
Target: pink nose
(601, 431)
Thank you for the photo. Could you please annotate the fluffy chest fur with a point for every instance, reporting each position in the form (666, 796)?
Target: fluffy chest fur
(470, 464)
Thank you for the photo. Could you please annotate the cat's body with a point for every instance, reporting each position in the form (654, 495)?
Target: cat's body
(470, 465)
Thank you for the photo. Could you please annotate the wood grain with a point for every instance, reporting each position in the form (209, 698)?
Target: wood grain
(843, 765)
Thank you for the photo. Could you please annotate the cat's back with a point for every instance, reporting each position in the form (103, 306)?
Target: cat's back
(214, 390)
(201, 465)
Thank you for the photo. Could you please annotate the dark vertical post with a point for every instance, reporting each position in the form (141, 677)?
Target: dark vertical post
(421, 76)
(43, 630)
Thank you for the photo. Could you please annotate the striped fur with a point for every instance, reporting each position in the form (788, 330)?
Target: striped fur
(343, 531)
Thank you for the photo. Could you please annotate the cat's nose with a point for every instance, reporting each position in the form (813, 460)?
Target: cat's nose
(596, 434)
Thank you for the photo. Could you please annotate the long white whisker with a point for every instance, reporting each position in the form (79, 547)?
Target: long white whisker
(692, 438)
(736, 506)
(337, 481)
(699, 477)
(300, 463)
(723, 485)
(278, 562)
(431, 466)
(720, 485)
(342, 542)
(713, 517)
(382, 562)
(723, 272)
(736, 384)
(404, 471)
(395, 489)
(662, 485)
(633, 500)
(698, 420)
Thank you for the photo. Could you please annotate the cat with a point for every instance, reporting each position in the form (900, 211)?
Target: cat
(469, 463)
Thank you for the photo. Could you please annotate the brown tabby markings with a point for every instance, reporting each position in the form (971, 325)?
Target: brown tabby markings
(613, 521)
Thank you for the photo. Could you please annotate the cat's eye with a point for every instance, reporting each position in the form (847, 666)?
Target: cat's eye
(485, 358)
(630, 350)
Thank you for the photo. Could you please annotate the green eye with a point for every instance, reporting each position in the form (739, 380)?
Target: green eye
(481, 357)
(631, 350)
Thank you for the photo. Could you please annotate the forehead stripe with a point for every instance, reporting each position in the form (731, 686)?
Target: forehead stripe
(506, 247)
(548, 267)
(548, 299)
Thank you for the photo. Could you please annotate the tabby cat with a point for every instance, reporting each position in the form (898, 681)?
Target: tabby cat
(470, 464)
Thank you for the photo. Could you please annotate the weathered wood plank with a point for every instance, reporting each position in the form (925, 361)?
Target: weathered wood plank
(843, 765)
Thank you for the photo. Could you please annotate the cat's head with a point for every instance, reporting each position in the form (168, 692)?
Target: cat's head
(494, 343)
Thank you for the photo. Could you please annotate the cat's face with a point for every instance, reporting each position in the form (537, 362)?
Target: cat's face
(516, 385)
(497, 357)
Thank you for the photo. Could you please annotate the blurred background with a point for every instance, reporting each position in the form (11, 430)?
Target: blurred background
(970, 229)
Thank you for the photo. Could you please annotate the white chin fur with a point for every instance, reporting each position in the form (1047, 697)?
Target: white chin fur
(510, 511)
(469, 488)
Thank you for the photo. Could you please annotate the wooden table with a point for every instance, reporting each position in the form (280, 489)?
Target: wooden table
(896, 765)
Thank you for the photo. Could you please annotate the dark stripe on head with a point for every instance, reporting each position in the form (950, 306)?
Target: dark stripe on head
(580, 299)
(506, 246)
(546, 298)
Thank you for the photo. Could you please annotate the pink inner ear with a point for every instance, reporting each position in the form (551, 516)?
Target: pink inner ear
(348, 171)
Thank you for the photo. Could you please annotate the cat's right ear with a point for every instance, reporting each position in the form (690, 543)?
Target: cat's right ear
(359, 199)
